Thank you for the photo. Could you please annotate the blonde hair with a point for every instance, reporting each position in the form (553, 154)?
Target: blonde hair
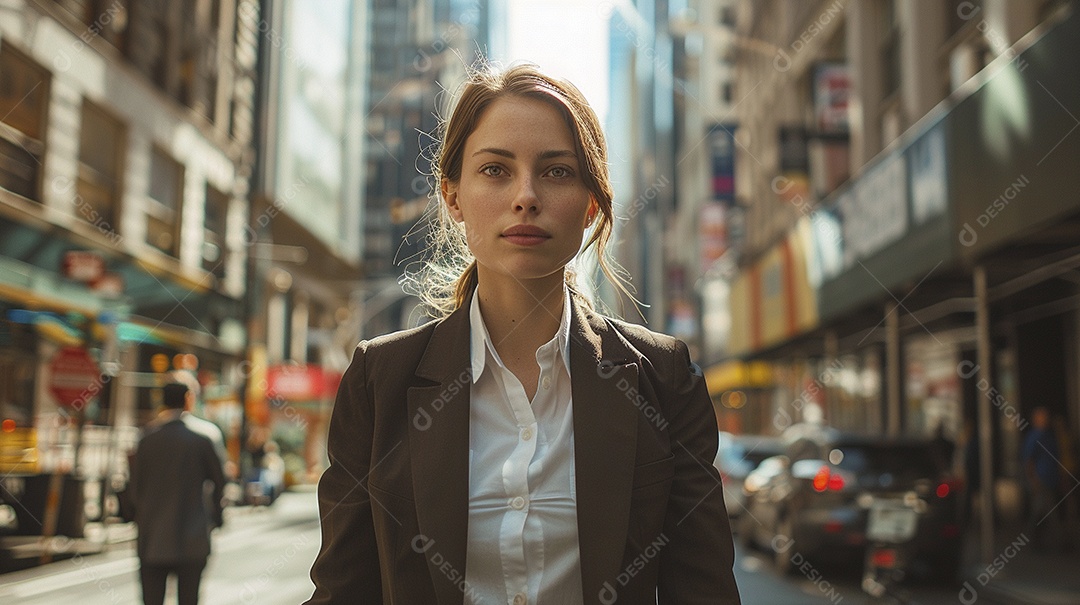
(448, 275)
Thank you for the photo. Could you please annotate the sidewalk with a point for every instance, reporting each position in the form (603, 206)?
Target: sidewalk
(1020, 574)
(19, 553)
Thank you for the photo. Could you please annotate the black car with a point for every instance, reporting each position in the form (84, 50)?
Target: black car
(813, 501)
(736, 457)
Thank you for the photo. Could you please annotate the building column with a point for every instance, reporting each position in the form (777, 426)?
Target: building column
(986, 429)
(922, 75)
(863, 52)
(893, 391)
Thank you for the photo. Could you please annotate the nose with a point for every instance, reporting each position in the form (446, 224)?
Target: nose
(525, 199)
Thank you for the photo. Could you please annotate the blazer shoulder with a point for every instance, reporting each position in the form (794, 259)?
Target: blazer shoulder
(647, 341)
(399, 341)
(667, 355)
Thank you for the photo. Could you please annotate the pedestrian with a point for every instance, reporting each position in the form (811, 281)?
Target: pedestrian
(171, 469)
(522, 448)
(198, 424)
(1041, 467)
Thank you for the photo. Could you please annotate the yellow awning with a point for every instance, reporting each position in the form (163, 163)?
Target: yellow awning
(736, 374)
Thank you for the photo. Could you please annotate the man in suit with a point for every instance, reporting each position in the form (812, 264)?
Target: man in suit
(176, 486)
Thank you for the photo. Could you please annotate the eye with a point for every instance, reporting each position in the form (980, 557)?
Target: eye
(560, 172)
(492, 170)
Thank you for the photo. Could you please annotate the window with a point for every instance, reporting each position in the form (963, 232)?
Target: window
(101, 153)
(198, 58)
(890, 49)
(24, 94)
(18, 370)
(104, 19)
(727, 15)
(726, 94)
(214, 250)
(163, 204)
(150, 40)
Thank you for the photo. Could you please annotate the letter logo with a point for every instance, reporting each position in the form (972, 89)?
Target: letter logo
(606, 369)
(782, 543)
(967, 369)
(608, 594)
(422, 62)
(968, 594)
(968, 236)
(422, 420)
(782, 62)
(965, 10)
(422, 543)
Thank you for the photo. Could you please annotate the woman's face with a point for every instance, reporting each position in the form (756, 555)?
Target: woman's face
(521, 195)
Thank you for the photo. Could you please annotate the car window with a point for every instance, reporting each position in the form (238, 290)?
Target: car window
(896, 460)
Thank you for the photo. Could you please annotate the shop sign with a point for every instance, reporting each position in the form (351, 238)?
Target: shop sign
(109, 284)
(296, 383)
(722, 152)
(832, 92)
(929, 192)
(712, 233)
(874, 210)
(73, 375)
(83, 265)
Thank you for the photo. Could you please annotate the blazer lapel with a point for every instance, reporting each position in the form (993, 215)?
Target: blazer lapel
(603, 372)
(439, 453)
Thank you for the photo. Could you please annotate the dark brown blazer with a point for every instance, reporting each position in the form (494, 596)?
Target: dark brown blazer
(395, 500)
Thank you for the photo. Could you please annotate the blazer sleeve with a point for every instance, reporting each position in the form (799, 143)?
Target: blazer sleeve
(347, 567)
(696, 565)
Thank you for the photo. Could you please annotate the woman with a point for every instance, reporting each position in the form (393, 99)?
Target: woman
(522, 448)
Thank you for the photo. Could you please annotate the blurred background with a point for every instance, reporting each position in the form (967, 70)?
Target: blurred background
(860, 214)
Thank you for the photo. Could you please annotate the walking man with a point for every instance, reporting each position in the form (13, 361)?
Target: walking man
(176, 485)
(1040, 457)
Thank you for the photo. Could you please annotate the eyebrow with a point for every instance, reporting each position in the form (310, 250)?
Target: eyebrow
(554, 153)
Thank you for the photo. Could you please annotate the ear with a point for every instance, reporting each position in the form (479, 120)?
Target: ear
(449, 196)
(594, 209)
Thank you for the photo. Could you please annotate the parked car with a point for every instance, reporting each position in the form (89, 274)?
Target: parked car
(736, 457)
(814, 500)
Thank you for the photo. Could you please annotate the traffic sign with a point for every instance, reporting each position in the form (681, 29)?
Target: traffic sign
(74, 377)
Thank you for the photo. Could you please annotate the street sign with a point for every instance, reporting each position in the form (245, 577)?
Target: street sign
(73, 376)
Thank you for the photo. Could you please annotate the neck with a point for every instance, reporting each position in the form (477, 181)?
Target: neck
(520, 316)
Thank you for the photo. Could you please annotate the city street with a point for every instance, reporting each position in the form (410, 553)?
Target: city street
(260, 556)
(263, 556)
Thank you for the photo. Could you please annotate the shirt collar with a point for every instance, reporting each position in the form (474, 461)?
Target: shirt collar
(480, 340)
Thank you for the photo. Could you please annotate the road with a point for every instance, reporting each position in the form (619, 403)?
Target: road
(260, 556)
(263, 556)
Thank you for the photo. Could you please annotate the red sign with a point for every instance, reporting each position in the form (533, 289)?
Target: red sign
(300, 382)
(74, 377)
(83, 265)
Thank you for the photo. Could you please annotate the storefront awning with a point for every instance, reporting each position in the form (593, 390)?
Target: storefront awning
(735, 374)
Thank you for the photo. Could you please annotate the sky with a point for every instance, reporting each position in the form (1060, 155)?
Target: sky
(566, 38)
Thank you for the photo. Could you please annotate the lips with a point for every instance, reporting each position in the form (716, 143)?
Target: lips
(526, 235)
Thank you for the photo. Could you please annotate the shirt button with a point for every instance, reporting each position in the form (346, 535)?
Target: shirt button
(517, 503)
(520, 599)
(526, 434)
(546, 382)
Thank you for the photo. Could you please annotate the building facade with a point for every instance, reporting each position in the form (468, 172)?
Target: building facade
(910, 224)
(126, 145)
(420, 54)
(306, 232)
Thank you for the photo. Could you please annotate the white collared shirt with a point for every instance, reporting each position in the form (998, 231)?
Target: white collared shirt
(523, 539)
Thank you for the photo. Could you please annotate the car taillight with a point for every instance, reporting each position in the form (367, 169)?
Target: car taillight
(947, 487)
(8, 425)
(884, 557)
(825, 480)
